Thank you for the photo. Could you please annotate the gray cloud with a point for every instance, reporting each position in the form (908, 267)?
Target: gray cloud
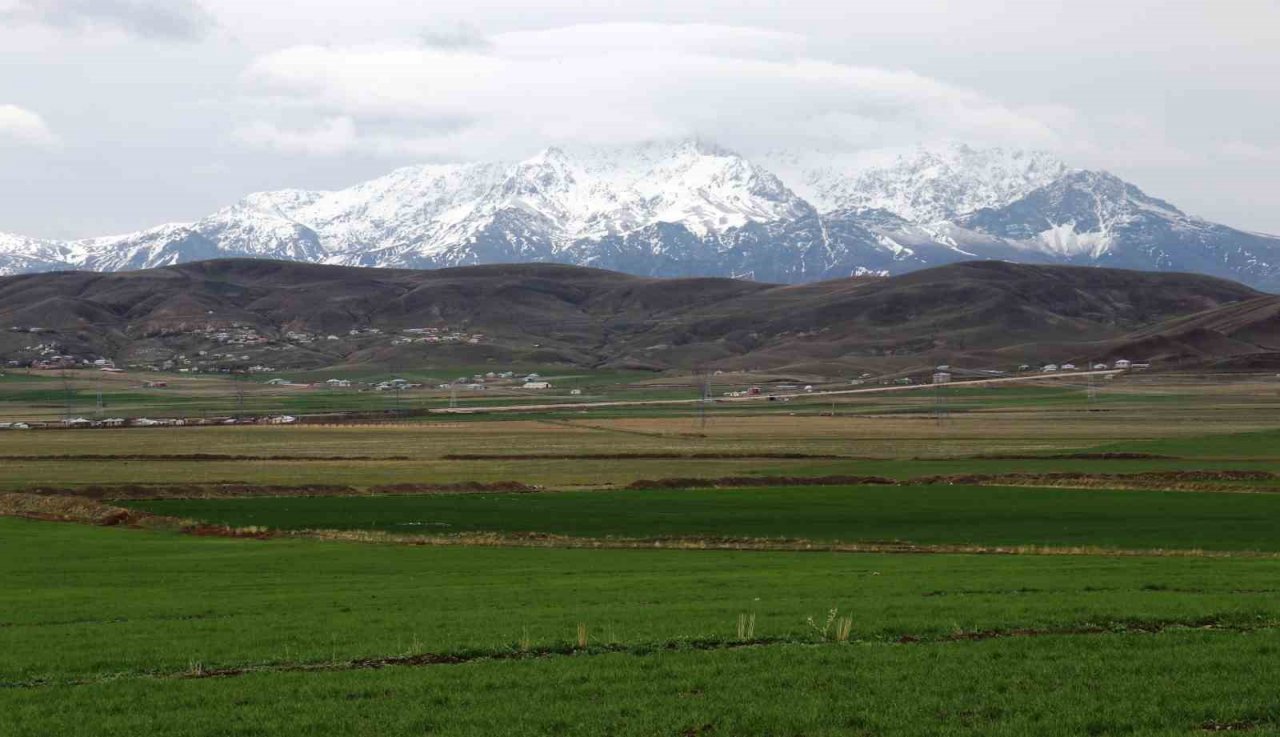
(163, 19)
(460, 36)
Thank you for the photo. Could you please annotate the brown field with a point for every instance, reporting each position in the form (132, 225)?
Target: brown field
(850, 436)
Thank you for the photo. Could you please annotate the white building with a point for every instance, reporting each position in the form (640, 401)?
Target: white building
(1122, 363)
(536, 385)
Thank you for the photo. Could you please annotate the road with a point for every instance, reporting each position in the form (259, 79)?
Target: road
(763, 397)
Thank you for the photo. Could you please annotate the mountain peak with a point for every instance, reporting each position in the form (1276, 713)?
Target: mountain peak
(938, 183)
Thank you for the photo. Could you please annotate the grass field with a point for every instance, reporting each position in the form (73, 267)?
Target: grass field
(1164, 619)
(925, 515)
(1169, 684)
(125, 613)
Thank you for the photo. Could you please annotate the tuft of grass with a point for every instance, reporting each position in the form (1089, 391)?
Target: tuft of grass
(844, 626)
(582, 634)
(747, 626)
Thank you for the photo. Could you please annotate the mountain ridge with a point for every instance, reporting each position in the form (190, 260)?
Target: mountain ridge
(691, 208)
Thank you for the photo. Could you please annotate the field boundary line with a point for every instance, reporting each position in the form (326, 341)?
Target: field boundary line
(779, 545)
(515, 653)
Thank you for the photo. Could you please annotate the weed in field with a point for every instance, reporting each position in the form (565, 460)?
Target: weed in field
(834, 629)
(582, 634)
(747, 626)
(526, 643)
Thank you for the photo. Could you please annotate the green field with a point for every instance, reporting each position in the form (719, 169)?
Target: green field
(924, 515)
(124, 613)
(1148, 607)
(1168, 684)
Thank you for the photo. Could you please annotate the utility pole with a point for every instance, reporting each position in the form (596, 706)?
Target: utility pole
(704, 385)
(67, 393)
(238, 380)
(940, 378)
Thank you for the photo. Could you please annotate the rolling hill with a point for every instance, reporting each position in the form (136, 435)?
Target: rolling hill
(232, 313)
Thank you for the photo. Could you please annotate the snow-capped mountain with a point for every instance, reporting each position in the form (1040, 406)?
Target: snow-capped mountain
(932, 185)
(691, 208)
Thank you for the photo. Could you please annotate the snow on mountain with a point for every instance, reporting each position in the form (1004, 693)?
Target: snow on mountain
(691, 208)
(1095, 218)
(20, 255)
(933, 184)
(1080, 214)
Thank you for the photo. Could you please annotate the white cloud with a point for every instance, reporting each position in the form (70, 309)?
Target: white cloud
(613, 83)
(1250, 152)
(330, 137)
(23, 127)
(171, 19)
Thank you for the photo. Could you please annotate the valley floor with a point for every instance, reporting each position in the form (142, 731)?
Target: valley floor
(338, 580)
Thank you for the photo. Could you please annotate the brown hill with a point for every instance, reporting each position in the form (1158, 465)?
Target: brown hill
(1238, 335)
(978, 312)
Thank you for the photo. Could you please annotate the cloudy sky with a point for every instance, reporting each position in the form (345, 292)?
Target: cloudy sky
(120, 114)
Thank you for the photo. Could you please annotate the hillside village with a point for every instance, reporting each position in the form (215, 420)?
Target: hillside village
(220, 348)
